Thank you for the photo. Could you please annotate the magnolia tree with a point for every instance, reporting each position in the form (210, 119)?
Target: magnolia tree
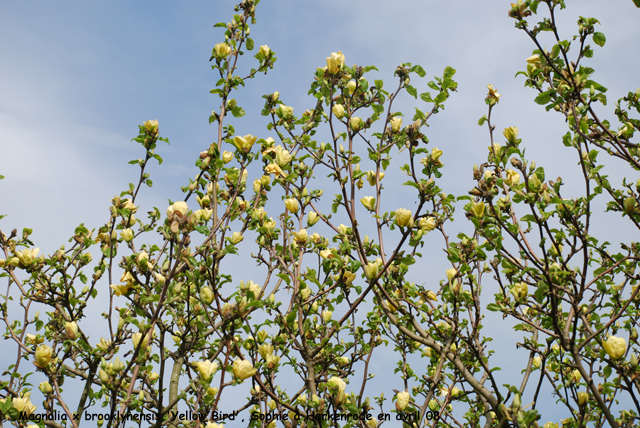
(187, 344)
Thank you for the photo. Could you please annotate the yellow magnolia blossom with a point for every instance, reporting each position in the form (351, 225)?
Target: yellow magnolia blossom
(338, 110)
(27, 256)
(127, 235)
(335, 62)
(71, 330)
(264, 50)
(284, 112)
(511, 134)
(282, 156)
(478, 209)
(615, 347)
(23, 405)
(43, 356)
(245, 143)
(151, 126)
(348, 277)
(227, 156)
(451, 273)
(274, 168)
(351, 87)
(292, 205)
(178, 207)
(206, 369)
(206, 295)
(236, 238)
(371, 177)
(520, 290)
(301, 237)
(427, 224)
(326, 315)
(356, 123)
(243, 369)
(221, 50)
(493, 94)
(396, 124)
(513, 178)
(583, 397)
(404, 218)
(369, 202)
(402, 400)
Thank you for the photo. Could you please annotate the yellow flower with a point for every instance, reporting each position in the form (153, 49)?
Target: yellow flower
(301, 237)
(272, 361)
(338, 110)
(404, 218)
(451, 273)
(351, 87)
(511, 134)
(236, 238)
(435, 154)
(478, 209)
(282, 156)
(45, 388)
(43, 356)
(348, 277)
(292, 205)
(264, 50)
(335, 62)
(372, 423)
(221, 50)
(533, 60)
(402, 400)
(537, 362)
(576, 376)
(103, 344)
(245, 143)
(227, 156)
(395, 123)
(151, 126)
(136, 341)
(583, 397)
(273, 168)
(371, 270)
(427, 224)
(206, 295)
(204, 214)
(371, 177)
(206, 369)
(513, 178)
(127, 235)
(356, 123)
(178, 207)
(23, 405)
(313, 218)
(493, 95)
(71, 330)
(27, 256)
(284, 112)
(121, 289)
(615, 347)
(369, 202)
(520, 290)
(243, 369)
(326, 315)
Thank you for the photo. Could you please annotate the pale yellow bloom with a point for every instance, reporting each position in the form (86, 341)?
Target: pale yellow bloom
(351, 87)
(427, 224)
(245, 143)
(127, 235)
(206, 369)
(335, 62)
(243, 369)
(301, 237)
(178, 207)
(478, 209)
(369, 202)
(292, 205)
(404, 218)
(520, 290)
(221, 50)
(451, 273)
(396, 124)
(264, 50)
(338, 110)
(236, 238)
(43, 356)
(513, 178)
(356, 123)
(285, 112)
(326, 315)
(71, 330)
(402, 400)
(511, 134)
(583, 397)
(227, 156)
(615, 347)
(151, 126)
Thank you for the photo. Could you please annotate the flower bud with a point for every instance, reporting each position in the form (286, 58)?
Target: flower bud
(404, 218)
(45, 388)
(71, 330)
(221, 50)
(369, 202)
(206, 295)
(338, 110)
(402, 400)
(326, 316)
(583, 397)
(127, 235)
(313, 218)
(265, 51)
(227, 157)
(245, 143)
(292, 205)
(477, 208)
(236, 238)
(615, 347)
(356, 123)
(243, 369)
(395, 123)
(43, 356)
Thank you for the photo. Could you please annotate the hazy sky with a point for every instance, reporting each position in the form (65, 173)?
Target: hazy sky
(77, 78)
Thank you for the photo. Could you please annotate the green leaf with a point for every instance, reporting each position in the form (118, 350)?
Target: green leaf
(412, 91)
(249, 44)
(599, 38)
(442, 97)
(493, 307)
(426, 97)
(543, 98)
(636, 2)
(418, 70)
(482, 120)
(237, 111)
(607, 372)
(378, 84)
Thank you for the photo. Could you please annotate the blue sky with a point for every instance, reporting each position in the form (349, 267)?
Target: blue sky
(77, 78)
